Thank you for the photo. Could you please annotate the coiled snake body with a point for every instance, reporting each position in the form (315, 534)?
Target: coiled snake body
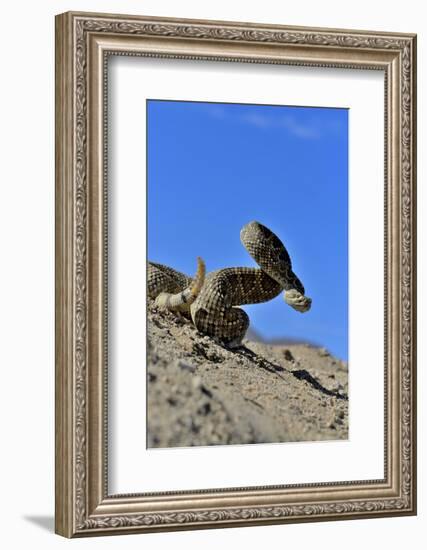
(211, 300)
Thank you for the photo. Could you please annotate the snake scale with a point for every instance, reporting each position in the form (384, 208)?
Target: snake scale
(211, 300)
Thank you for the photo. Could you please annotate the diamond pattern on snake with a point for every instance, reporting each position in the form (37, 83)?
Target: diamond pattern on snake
(211, 300)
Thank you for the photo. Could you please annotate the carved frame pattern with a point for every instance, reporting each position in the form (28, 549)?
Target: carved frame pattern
(82, 505)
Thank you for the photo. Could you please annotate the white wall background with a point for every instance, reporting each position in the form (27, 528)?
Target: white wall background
(27, 273)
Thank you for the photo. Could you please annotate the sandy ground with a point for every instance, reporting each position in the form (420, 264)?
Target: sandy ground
(200, 393)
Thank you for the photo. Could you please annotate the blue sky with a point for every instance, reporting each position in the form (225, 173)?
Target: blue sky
(213, 167)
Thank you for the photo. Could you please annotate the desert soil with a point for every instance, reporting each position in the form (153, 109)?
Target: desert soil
(200, 393)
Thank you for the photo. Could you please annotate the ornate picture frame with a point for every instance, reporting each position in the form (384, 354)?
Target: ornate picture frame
(84, 506)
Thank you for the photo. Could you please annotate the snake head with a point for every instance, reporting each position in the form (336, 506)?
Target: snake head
(297, 300)
(270, 254)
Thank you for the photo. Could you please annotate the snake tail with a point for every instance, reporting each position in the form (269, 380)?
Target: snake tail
(183, 299)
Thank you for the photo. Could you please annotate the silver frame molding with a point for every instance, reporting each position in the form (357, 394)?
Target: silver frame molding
(83, 43)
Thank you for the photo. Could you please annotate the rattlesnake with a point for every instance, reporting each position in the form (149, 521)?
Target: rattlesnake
(210, 300)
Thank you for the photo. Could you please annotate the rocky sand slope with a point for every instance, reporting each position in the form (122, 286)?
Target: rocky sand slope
(200, 393)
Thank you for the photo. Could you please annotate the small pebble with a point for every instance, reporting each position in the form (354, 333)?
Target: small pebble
(288, 355)
(186, 366)
(196, 382)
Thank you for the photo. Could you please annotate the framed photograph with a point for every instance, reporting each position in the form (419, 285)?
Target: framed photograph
(235, 274)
